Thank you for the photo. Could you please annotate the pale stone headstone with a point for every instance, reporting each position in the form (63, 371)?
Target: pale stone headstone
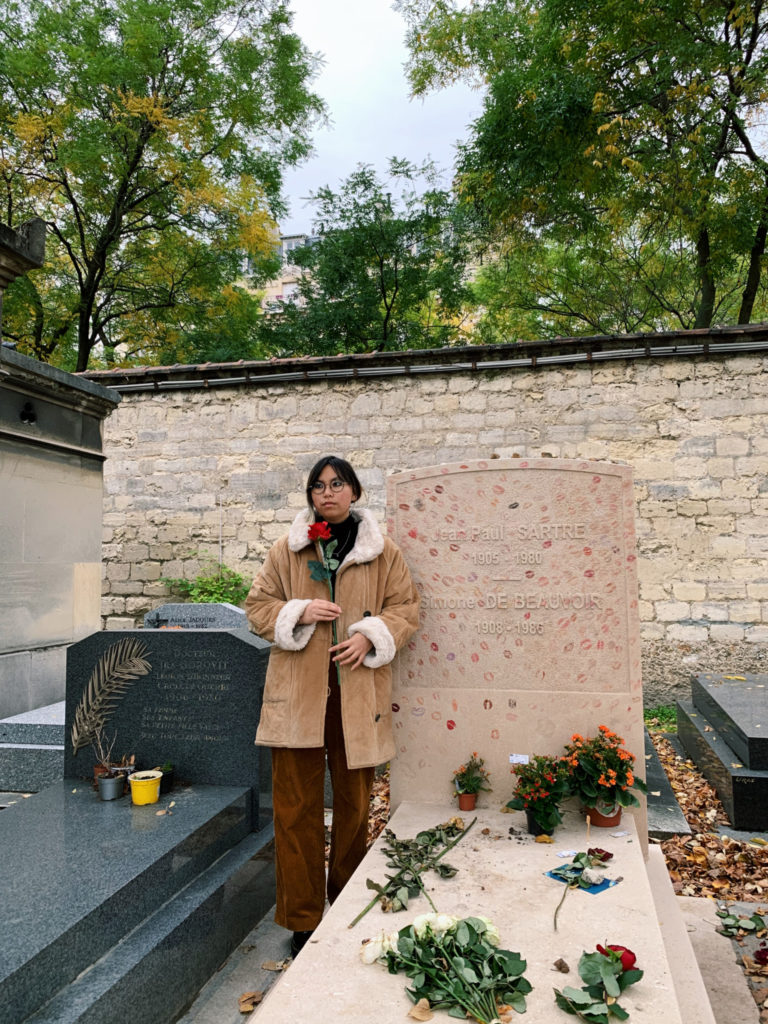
(529, 626)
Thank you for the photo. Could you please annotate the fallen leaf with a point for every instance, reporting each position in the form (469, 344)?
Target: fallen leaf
(159, 814)
(171, 804)
(275, 965)
(248, 1001)
(421, 1011)
(543, 839)
(561, 965)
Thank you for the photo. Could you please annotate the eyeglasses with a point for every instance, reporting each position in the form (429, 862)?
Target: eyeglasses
(318, 487)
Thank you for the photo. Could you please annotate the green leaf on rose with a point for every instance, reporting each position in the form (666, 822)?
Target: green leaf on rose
(629, 977)
(608, 976)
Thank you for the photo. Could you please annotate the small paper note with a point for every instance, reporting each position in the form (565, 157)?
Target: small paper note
(519, 759)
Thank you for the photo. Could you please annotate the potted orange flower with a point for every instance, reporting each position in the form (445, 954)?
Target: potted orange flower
(602, 776)
(469, 779)
(542, 784)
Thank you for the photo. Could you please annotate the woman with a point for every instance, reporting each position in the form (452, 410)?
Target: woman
(324, 697)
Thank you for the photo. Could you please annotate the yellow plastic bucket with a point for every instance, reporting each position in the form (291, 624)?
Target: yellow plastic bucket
(145, 787)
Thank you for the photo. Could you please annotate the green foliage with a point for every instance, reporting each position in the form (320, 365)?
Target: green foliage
(456, 965)
(150, 137)
(471, 777)
(221, 585)
(625, 132)
(541, 786)
(386, 270)
(661, 719)
(734, 926)
(605, 979)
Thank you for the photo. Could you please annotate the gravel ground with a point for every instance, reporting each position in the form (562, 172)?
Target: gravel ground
(668, 666)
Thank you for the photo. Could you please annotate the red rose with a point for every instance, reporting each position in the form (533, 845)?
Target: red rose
(599, 854)
(628, 958)
(319, 531)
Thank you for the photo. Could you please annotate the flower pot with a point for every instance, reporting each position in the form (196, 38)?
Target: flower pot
(534, 827)
(145, 787)
(467, 801)
(110, 786)
(166, 782)
(600, 820)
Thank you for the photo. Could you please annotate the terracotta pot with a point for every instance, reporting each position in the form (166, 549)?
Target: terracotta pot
(534, 828)
(467, 801)
(603, 820)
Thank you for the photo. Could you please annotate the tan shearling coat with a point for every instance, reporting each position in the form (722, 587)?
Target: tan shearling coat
(378, 599)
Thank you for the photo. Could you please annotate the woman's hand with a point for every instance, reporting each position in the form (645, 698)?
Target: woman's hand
(319, 611)
(351, 652)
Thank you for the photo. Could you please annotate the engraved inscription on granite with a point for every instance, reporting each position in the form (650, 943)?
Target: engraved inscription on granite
(525, 574)
(198, 706)
(196, 616)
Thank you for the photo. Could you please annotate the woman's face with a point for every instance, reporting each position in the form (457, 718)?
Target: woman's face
(332, 504)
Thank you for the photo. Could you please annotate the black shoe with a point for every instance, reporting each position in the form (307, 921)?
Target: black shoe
(298, 942)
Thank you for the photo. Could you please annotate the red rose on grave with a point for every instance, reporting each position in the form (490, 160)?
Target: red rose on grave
(319, 531)
(628, 958)
(599, 854)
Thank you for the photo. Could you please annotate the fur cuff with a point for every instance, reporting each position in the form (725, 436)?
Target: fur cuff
(288, 633)
(383, 642)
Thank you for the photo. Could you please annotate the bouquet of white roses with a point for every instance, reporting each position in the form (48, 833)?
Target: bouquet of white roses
(454, 964)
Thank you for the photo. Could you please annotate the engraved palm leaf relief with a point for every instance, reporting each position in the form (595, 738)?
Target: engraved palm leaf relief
(118, 667)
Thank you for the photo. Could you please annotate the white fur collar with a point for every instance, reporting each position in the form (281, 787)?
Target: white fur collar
(369, 543)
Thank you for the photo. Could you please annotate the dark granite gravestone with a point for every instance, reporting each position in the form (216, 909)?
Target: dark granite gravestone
(737, 706)
(191, 697)
(196, 616)
(722, 730)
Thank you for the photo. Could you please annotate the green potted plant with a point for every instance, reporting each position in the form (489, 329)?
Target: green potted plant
(469, 779)
(542, 784)
(168, 770)
(601, 775)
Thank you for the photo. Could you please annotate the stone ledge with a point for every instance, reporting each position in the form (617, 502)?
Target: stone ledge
(501, 877)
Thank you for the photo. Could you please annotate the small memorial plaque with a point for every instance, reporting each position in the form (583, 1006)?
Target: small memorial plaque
(196, 616)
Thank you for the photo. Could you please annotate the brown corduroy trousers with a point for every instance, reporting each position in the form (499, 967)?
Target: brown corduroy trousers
(298, 778)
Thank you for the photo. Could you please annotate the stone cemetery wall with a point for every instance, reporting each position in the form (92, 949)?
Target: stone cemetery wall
(190, 696)
(51, 514)
(200, 470)
(529, 629)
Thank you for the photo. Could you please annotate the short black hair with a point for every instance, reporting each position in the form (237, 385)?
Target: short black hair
(343, 471)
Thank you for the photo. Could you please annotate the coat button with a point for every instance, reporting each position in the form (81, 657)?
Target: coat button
(366, 615)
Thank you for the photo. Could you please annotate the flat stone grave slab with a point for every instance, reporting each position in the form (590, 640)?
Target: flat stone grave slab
(77, 873)
(32, 749)
(40, 725)
(737, 707)
(219, 615)
(192, 697)
(743, 791)
(501, 877)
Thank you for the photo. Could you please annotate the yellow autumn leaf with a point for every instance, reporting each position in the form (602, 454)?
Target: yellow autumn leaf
(544, 839)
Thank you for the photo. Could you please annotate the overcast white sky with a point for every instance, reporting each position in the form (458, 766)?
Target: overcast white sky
(372, 117)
